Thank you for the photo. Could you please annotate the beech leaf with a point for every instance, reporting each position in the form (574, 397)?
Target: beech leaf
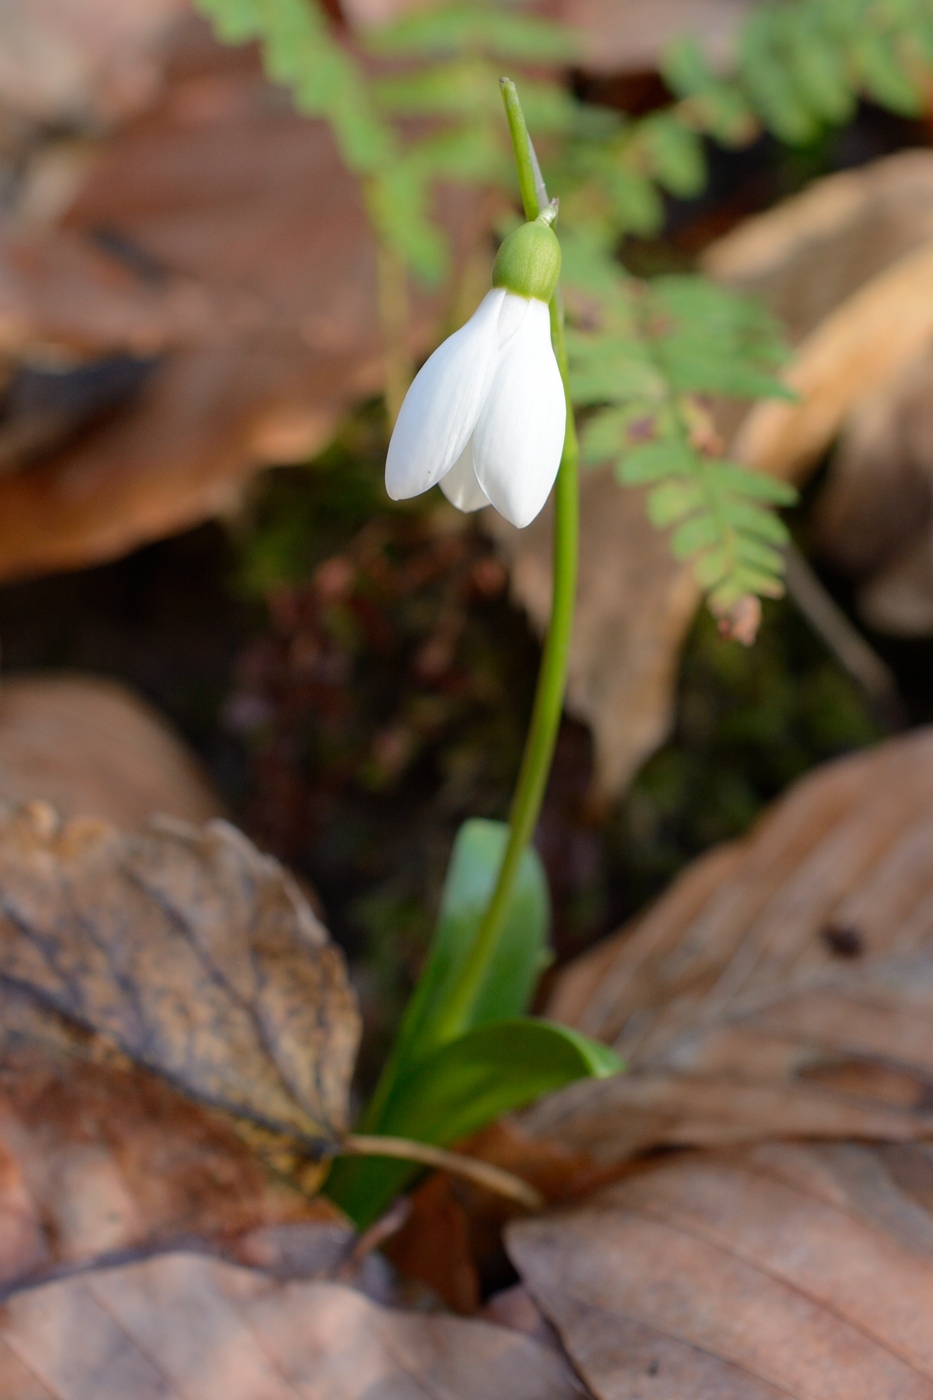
(98, 1155)
(785, 1270)
(783, 986)
(192, 952)
(182, 1325)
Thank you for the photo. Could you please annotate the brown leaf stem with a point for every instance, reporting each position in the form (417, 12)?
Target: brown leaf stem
(493, 1178)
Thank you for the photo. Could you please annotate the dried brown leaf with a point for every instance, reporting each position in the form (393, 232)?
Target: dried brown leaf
(785, 1270)
(783, 986)
(872, 517)
(810, 253)
(89, 747)
(165, 252)
(192, 952)
(63, 62)
(860, 347)
(181, 1325)
(809, 259)
(98, 1155)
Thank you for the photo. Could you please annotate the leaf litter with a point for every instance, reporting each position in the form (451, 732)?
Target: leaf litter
(192, 952)
(780, 989)
(736, 1028)
(181, 1325)
(784, 985)
(782, 1270)
(100, 1158)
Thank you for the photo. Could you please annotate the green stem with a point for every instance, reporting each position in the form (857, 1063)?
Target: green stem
(552, 677)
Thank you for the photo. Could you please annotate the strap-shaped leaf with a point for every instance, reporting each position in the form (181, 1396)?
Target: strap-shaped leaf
(463, 1085)
(513, 972)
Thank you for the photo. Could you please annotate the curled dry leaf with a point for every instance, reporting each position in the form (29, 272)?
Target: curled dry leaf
(192, 952)
(784, 1270)
(634, 605)
(90, 747)
(181, 1325)
(783, 986)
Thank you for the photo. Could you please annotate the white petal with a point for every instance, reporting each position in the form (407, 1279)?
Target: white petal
(512, 315)
(443, 404)
(520, 434)
(460, 485)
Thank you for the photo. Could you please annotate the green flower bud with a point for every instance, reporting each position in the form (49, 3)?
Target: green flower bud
(528, 263)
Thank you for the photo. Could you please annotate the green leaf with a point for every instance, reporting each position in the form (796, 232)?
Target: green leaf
(751, 519)
(513, 974)
(819, 66)
(766, 73)
(616, 433)
(695, 535)
(730, 476)
(635, 201)
(758, 554)
(671, 502)
(684, 67)
(653, 461)
(884, 75)
(455, 29)
(458, 1089)
(489, 1071)
(604, 372)
(675, 154)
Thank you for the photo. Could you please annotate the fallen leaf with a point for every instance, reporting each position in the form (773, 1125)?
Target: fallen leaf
(782, 986)
(859, 348)
(433, 1245)
(872, 517)
(192, 952)
(877, 496)
(63, 62)
(98, 1156)
(252, 359)
(634, 605)
(90, 747)
(810, 253)
(808, 259)
(182, 1325)
(844, 266)
(785, 1270)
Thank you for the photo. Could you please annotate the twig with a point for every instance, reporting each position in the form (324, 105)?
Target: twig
(846, 643)
(483, 1173)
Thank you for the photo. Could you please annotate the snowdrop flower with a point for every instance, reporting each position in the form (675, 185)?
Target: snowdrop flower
(485, 415)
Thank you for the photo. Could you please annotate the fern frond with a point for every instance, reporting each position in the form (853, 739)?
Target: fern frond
(644, 369)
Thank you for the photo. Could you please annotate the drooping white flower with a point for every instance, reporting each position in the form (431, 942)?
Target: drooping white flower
(485, 415)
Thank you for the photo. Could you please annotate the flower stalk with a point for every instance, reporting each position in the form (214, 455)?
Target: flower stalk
(552, 676)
